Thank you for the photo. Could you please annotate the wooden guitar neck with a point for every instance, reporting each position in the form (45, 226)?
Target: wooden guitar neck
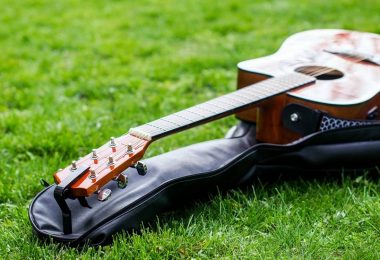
(220, 107)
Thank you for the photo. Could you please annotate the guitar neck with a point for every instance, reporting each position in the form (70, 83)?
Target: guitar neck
(222, 106)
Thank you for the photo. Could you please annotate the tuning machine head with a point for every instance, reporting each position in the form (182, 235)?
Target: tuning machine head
(112, 144)
(104, 194)
(130, 149)
(73, 166)
(92, 175)
(94, 156)
(122, 181)
(141, 168)
(111, 162)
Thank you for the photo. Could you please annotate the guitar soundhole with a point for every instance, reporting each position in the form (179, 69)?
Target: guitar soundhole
(320, 72)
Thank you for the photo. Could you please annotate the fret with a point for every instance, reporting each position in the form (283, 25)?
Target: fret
(285, 83)
(223, 105)
(203, 113)
(250, 92)
(158, 127)
(261, 91)
(242, 100)
(241, 95)
(273, 83)
(167, 119)
(226, 103)
(214, 103)
(190, 115)
(202, 110)
(273, 86)
(220, 105)
(162, 124)
(212, 107)
(149, 129)
(230, 100)
(234, 100)
(180, 121)
(179, 115)
(294, 79)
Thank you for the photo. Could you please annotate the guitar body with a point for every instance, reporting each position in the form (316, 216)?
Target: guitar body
(350, 92)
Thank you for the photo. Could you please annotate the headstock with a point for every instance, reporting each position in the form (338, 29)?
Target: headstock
(104, 164)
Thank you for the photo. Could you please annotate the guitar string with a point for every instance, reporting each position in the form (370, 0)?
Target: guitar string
(137, 145)
(99, 151)
(327, 70)
(100, 167)
(120, 151)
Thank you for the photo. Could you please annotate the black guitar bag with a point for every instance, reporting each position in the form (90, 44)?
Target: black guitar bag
(196, 170)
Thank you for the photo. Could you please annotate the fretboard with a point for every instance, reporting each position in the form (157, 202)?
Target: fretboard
(222, 106)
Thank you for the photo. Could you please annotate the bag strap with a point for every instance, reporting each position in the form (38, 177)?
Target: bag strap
(305, 121)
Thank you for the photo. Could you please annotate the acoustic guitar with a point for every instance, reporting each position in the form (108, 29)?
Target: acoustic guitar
(335, 71)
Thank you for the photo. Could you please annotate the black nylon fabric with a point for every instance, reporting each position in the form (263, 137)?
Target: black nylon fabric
(197, 169)
(46, 217)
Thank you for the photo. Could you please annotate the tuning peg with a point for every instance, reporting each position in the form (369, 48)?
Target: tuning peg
(141, 168)
(122, 181)
(94, 156)
(73, 166)
(129, 149)
(111, 161)
(113, 144)
(92, 174)
(104, 195)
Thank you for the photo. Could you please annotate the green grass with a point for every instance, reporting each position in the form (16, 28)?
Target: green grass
(74, 73)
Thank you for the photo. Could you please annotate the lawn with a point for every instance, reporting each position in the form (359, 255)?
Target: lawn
(74, 73)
